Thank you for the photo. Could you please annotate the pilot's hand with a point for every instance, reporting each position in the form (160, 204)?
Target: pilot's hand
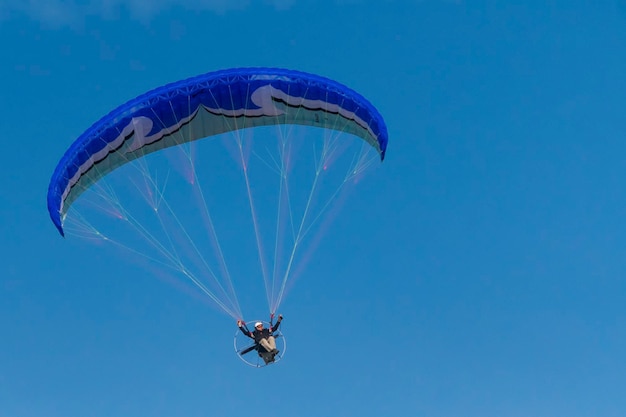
(239, 323)
(280, 317)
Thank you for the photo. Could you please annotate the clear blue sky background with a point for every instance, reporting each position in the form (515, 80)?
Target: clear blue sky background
(483, 273)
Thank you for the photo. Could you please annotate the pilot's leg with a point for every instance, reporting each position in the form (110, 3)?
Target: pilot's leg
(272, 342)
(266, 344)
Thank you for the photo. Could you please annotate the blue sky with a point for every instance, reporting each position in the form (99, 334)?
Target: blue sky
(479, 272)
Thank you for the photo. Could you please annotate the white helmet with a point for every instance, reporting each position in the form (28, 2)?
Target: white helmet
(257, 324)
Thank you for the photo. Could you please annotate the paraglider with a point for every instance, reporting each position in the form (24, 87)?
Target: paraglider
(120, 167)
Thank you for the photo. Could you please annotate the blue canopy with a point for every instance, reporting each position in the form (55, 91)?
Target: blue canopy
(204, 106)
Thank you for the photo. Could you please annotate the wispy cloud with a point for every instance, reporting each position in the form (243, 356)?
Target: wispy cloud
(73, 12)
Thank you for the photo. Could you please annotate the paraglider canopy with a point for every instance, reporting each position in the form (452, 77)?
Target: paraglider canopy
(205, 106)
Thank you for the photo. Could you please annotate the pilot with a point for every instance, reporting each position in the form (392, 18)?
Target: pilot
(263, 336)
